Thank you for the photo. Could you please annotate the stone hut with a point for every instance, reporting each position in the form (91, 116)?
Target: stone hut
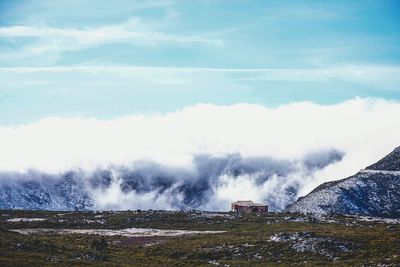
(248, 206)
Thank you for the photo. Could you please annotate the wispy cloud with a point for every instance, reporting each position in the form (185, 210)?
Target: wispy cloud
(358, 73)
(69, 39)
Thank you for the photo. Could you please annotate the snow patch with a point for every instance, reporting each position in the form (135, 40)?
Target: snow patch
(128, 232)
(26, 220)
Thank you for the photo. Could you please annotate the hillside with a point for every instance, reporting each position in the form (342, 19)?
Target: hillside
(374, 191)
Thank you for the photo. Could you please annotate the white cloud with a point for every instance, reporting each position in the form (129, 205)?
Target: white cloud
(382, 76)
(364, 129)
(132, 31)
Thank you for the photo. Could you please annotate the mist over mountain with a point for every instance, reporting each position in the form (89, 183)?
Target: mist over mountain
(210, 183)
(203, 156)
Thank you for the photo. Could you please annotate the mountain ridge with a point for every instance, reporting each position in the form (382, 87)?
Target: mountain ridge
(372, 191)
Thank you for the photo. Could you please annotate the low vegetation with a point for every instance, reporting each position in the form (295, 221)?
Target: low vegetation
(271, 239)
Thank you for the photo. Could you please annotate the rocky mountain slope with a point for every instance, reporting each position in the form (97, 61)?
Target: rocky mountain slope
(374, 191)
(66, 193)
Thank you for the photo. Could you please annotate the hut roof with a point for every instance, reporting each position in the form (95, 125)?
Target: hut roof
(248, 203)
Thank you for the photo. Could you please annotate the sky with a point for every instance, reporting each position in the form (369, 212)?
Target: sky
(300, 92)
(102, 59)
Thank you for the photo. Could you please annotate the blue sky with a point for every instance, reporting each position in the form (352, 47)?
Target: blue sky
(106, 59)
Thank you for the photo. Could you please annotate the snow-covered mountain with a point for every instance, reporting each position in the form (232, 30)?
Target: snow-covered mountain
(46, 193)
(374, 191)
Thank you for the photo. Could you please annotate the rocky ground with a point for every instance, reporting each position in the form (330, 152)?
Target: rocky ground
(166, 238)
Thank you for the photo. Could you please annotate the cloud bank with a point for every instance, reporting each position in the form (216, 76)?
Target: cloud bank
(204, 156)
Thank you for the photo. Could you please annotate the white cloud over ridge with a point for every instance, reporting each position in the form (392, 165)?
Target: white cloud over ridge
(363, 129)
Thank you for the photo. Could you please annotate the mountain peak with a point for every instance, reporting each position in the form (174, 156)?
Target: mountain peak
(389, 163)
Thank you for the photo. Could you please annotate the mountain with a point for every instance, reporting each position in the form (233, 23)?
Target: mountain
(389, 163)
(66, 193)
(374, 191)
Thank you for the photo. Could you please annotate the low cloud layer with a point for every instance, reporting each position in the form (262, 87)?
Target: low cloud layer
(210, 183)
(203, 156)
